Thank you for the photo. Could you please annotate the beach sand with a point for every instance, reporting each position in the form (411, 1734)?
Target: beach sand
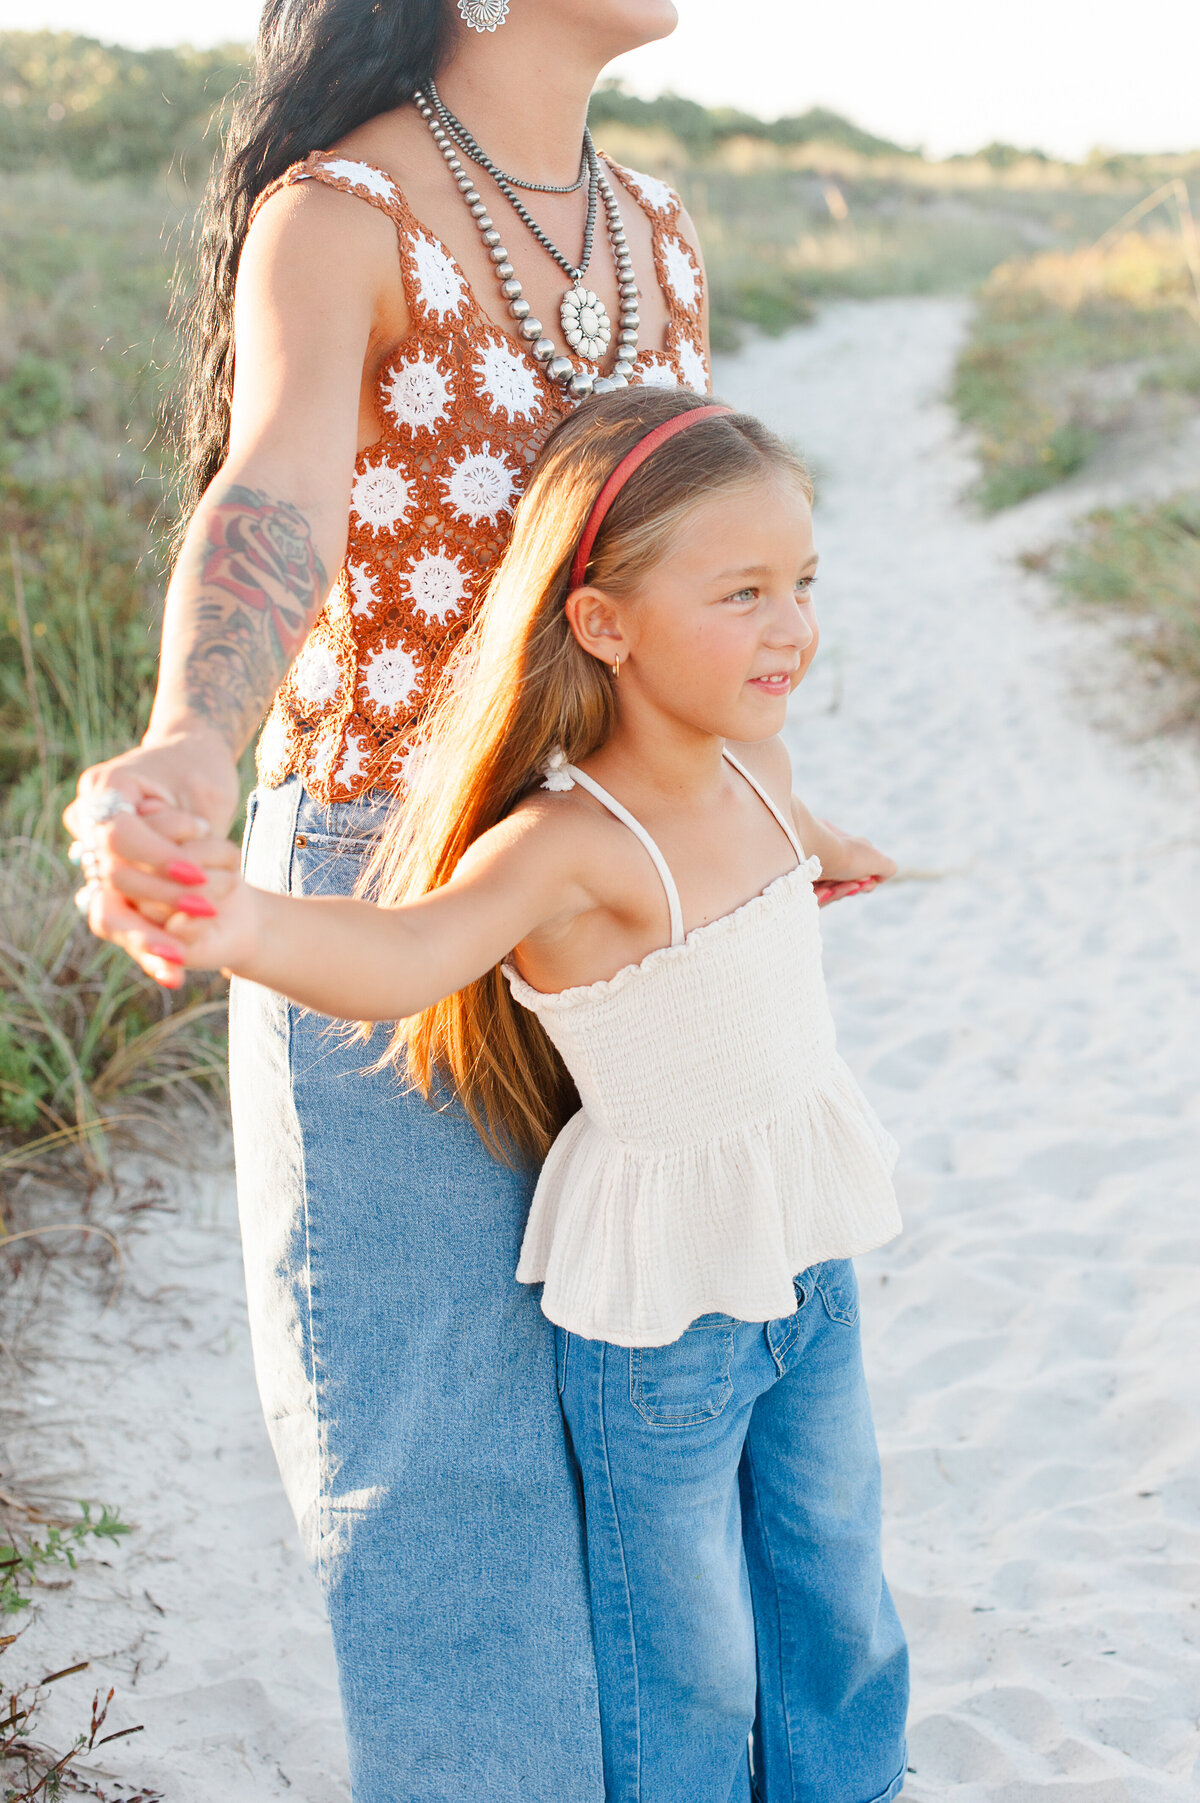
(1022, 1009)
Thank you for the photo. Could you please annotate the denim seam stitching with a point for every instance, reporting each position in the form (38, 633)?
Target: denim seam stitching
(612, 1494)
(897, 1785)
(770, 1552)
(318, 1421)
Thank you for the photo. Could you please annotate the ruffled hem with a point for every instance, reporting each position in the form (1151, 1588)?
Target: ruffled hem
(633, 1243)
(540, 1001)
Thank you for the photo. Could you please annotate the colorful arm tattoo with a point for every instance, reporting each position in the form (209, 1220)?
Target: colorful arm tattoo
(260, 585)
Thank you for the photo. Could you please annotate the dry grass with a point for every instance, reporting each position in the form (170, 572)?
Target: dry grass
(1067, 347)
(1143, 564)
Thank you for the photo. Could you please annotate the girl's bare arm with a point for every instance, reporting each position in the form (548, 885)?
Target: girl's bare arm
(356, 961)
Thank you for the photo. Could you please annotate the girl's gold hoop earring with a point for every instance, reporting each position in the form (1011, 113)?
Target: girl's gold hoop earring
(616, 666)
(483, 15)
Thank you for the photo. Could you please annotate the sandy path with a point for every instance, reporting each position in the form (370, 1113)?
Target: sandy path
(1025, 1018)
(1027, 1023)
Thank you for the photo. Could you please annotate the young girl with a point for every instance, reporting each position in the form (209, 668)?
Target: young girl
(595, 920)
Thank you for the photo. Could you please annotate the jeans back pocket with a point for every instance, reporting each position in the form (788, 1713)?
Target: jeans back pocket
(687, 1382)
(838, 1287)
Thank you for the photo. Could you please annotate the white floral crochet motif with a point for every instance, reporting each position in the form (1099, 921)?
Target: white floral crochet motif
(659, 375)
(462, 407)
(693, 366)
(681, 271)
(481, 486)
(419, 393)
(507, 381)
(361, 175)
(437, 585)
(390, 676)
(653, 192)
(315, 674)
(354, 763)
(274, 743)
(381, 496)
(360, 588)
(442, 290)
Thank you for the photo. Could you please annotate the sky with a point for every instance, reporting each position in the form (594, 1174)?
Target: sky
(1062, 75)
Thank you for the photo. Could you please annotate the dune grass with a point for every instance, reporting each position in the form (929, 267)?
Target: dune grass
(779, 240)
(1144, 561)
(1067, 347)
(86, 1040)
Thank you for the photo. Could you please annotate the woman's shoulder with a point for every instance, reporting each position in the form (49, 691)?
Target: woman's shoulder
(305, 242)
(304, 207)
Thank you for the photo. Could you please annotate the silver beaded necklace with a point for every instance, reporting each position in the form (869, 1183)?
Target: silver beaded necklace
(583, 315)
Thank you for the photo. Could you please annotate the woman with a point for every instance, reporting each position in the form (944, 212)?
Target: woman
(400, 357)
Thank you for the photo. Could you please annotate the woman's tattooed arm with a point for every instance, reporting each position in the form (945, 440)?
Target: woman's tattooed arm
(252, 585)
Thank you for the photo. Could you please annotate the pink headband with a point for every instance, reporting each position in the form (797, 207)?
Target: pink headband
(631, 461)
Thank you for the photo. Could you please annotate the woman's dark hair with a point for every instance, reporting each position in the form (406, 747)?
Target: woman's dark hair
(321, 68)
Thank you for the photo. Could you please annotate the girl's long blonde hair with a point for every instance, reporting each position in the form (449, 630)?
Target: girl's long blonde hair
(521, 686)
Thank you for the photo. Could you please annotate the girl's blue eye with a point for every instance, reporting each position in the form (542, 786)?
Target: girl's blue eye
(743, 594)
(806, 585)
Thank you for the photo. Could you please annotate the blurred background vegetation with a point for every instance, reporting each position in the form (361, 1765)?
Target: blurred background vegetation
(103, 155)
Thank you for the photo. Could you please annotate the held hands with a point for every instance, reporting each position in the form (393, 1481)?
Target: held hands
(128, 819)
(207, 915)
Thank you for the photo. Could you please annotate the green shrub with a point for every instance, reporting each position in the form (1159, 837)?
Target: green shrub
(1042, 377)
(101, 109)
(1144, 560)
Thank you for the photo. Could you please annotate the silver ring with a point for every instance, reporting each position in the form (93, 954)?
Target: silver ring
(83, 897)
(75, 851)
(103, 806)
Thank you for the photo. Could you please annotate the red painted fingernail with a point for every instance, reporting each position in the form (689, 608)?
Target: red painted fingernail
(196, 906)
(167, 953)
(183, 872)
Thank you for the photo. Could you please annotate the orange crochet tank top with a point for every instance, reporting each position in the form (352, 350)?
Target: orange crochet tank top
(464, 411)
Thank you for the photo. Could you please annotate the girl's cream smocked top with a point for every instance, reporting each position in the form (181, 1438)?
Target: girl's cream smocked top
(722, 1145)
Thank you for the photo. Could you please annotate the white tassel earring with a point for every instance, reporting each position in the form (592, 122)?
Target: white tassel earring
(483, 15)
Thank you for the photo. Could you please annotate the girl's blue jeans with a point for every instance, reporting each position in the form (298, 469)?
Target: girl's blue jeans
(732, 1500)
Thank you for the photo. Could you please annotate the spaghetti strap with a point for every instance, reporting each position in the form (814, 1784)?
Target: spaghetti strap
(785, 823)
(635, 826)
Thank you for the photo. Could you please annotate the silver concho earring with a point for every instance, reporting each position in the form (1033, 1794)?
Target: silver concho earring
(483, 15)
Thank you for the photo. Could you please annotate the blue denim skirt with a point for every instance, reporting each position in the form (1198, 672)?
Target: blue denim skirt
(408, 1383)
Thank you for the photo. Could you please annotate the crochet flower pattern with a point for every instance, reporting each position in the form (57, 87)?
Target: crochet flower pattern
(655, 193)
(315, 673)
(418, 394)
(440, 287)
(481, 486)
(508, 382)
(682, 273)
(364, 596)
(437, 585)
(660, 375)
(363, 177)
(462, 409)
(390, 676)
(381, 496)
(692, 366)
